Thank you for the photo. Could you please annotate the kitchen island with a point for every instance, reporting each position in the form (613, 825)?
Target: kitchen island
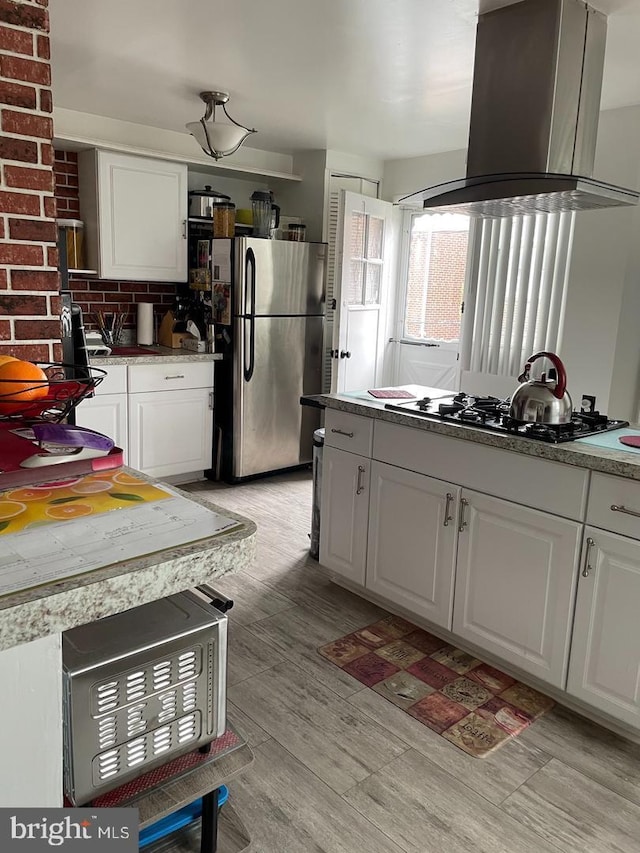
(525, 553)
(31, 622)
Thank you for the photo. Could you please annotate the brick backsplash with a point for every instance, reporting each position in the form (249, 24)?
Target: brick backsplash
(29, 280)
(94, 294)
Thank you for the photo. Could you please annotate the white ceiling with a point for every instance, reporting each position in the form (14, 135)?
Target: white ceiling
(383, 78)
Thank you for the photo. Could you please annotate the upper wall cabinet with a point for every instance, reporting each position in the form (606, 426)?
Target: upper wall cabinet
(135, 213)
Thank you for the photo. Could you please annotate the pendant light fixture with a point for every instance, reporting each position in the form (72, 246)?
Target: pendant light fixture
(216, 139)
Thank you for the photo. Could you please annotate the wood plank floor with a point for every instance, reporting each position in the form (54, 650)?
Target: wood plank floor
(340, 770)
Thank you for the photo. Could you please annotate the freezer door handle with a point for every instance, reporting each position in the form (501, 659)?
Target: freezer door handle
(250, 307)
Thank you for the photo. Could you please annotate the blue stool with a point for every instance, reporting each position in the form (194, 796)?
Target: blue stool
(205, 808)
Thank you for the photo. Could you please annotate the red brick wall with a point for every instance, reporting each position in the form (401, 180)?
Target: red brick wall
(91, 293)
(436, 279)
(29, 305)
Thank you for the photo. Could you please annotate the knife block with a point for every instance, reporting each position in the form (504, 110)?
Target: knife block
(171, 332)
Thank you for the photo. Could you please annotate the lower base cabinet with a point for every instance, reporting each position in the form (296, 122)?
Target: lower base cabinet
(344, 513)
(170, 432)
(605, 652)
(106, 414)
(515, 583)
(412, 541)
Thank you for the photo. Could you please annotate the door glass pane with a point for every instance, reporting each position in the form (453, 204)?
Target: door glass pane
(372, 285)
(358, 227)
(435, 283)
(355, 284)
(374, 238)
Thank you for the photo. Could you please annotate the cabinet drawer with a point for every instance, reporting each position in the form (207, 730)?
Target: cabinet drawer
(115, 382)
(348, 432)
(607, 491)
(527, 480)
(170, 376)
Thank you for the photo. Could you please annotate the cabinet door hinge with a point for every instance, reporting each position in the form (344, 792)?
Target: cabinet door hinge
(211, 399)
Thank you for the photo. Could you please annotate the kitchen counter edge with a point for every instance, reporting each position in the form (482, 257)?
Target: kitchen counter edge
(619, 463)
(157, 355)
(39, 611)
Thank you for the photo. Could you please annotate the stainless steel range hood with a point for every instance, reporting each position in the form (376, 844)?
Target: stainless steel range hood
(534, 115)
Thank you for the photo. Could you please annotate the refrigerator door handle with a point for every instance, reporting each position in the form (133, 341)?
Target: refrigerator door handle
(249, 288)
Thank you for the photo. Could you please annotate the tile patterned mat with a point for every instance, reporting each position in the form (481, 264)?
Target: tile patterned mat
(471, 704)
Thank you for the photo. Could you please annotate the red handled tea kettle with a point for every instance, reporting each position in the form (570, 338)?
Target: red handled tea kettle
(545, 400)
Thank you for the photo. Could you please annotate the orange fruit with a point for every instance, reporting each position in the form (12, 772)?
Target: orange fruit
(9, 509)
(22, 382)
(28, 495)
(68, 511)
(125, 479)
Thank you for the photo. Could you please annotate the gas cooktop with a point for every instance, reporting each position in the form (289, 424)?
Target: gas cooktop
(493, 414)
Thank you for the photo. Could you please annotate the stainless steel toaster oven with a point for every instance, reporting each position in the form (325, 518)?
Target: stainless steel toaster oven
(141, 688)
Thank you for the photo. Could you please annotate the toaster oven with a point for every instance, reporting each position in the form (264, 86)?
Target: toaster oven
(140, 688)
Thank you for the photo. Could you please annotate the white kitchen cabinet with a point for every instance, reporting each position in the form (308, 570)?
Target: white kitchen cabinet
(605, 651)
(344, 513)
(106, 411)
(412, 541)
(170, 432)
(135, 213)
(515, 583)
(170, 417)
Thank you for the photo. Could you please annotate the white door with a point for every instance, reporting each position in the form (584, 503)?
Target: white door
(106, 413)
(412, 541)
(604, 669)
(142, 218)
(429, 300)
(515, 583)
(359, 322)
(171, 432)
(344, 513)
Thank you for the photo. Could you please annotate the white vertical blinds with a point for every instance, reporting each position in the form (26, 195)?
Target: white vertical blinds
(517, 272)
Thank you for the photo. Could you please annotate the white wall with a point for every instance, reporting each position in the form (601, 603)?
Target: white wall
(601, 344)
(403, 177)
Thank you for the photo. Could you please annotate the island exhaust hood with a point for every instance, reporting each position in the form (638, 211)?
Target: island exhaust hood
(534, 115)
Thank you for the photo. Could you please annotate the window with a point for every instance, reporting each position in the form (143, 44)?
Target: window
(435, 277)
(365, 259)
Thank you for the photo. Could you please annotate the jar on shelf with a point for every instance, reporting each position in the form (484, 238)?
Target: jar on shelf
(74, 237)
(296, 231)
(224, 219)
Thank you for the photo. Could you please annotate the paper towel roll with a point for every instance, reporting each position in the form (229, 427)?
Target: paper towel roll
(145, 324)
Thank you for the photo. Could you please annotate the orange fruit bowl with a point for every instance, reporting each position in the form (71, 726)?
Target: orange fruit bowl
(43, 391)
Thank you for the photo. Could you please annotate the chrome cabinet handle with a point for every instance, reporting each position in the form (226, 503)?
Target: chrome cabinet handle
(621, 508)
(447, 510)
(461, 521)
(342, 432)
(177, 376)
(587, 565)
(359, 486)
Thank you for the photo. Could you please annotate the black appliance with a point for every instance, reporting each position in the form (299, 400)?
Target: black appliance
(490, 413)
(74, 344)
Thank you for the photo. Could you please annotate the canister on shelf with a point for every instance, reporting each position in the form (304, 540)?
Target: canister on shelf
(296, 231)
(74, 231)
(224, 219)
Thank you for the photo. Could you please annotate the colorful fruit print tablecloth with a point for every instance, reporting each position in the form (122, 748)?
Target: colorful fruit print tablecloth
(72, 498)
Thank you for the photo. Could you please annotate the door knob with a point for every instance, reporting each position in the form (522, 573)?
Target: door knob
(345, 354)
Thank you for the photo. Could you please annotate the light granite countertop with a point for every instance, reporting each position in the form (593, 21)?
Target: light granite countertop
(157, 355)
(54, 607)
(621, 463)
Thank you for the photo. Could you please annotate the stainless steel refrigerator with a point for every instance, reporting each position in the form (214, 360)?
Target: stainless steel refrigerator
(273, 354)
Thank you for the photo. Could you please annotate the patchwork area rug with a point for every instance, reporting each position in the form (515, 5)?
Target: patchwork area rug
(473, 705)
